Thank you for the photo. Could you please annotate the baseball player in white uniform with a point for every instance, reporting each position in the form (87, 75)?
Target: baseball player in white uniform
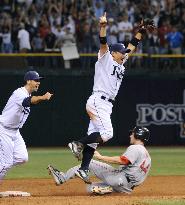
(12, 146)
(109, 71)
(134, 167)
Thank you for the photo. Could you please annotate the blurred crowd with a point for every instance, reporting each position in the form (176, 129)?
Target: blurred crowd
(45, 25)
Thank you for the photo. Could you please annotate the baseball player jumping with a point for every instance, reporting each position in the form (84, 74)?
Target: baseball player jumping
(12, 146)
(109, 71)
(134, 167)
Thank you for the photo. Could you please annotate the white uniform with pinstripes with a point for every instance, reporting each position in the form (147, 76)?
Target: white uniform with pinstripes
(12, 146)
(107, 80)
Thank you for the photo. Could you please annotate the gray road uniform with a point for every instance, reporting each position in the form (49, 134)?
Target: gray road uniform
(107, 80)
(12, 146)
(124, 178)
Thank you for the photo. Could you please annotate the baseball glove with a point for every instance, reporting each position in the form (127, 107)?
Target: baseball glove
(147, 25)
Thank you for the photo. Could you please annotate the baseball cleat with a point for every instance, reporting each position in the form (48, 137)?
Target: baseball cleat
(83, 174)
(101, 190)
(56, 174)
(76, 148)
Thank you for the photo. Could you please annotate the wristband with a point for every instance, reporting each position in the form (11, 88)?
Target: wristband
(135, 42)
(103, 40)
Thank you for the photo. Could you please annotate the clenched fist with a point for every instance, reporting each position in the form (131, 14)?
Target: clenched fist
(47, 96)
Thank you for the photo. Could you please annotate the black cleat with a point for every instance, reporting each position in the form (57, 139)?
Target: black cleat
(83, 174)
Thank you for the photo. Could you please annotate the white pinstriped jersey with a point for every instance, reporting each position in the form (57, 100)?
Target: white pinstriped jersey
(140, 165)
(14, 114)
(108, 75)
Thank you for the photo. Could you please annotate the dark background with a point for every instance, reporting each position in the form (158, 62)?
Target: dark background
(64, 118)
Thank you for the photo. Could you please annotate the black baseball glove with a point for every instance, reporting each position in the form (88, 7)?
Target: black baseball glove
(146, 25)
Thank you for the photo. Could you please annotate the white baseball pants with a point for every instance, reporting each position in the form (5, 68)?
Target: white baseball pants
(99, 111)
(12, 150)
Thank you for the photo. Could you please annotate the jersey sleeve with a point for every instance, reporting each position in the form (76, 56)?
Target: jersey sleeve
(26, 102)
(18, 97)
(131, 154)
(124, 160)
(106, 56)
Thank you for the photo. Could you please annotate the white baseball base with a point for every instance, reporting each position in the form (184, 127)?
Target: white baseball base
(14, 194)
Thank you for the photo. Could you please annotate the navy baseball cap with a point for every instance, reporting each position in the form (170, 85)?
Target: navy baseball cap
(119, 47)
(32, 75)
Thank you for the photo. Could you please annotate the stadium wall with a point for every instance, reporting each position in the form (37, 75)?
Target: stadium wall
(157, 102)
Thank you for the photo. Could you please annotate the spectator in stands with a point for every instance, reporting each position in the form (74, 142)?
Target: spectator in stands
(98, 6)
(7, 46)
(175, 39)
(153, 43)
(55, 14)
(86, 45)
(124, 28)
(57, 30)
(37, 43)
(155, 11)
(23, 39)
(174, 17)
(153, 48)
(31, 26)
(49, 41)
(87, 40)
(49, 44)
(43, 15)
(71, 23)
(67, 38)
(5, 20)
(112, 9)
(131, 12)
(44, 26)
(162, 32)
(112, 32)
(94, 29)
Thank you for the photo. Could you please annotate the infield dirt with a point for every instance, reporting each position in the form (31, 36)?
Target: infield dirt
(45, 192)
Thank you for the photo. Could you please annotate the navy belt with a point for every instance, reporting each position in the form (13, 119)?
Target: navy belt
(108, 99)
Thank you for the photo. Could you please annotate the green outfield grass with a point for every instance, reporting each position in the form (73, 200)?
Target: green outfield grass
(165, 161)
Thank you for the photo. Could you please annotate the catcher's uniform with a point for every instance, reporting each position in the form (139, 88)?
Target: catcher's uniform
(12, 146)
(107, 80)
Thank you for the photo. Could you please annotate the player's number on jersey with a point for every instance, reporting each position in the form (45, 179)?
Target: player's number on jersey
(144, 166)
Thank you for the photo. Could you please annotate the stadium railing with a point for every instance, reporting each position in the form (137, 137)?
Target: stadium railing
(54, 60)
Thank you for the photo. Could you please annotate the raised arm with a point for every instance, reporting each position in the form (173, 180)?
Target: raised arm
(146, 25)
(102, 35)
